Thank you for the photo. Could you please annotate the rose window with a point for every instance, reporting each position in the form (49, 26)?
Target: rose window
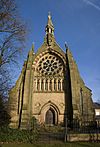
(50, 65)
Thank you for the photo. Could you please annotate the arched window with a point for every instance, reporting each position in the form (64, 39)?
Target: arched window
(42, 85)
(59, 85)
(50, 85)
(46, 85)
(55, 85)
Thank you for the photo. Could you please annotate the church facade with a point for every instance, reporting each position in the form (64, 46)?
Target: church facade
(49, 87)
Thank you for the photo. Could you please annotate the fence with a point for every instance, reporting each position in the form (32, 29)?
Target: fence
(85, 127)
(85, 131)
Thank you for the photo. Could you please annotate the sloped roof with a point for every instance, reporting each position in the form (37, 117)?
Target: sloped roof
(54, 46)
(96, 105)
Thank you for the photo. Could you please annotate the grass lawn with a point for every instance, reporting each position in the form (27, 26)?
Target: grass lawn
(73, 144)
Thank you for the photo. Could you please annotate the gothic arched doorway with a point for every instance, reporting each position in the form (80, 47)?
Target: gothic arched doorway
(50, 117)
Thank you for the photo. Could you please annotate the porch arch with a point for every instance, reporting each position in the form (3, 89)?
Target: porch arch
(49, 110)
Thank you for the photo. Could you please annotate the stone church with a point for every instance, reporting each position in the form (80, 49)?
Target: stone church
(49, 87)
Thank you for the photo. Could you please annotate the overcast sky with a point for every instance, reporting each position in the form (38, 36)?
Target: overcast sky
(78, 23)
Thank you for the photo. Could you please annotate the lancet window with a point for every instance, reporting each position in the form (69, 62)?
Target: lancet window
(42, 85)
(48, 84)
(55, 84)
(59, 85)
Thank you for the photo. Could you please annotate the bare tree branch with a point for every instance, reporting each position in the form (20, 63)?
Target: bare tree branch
(12, 39)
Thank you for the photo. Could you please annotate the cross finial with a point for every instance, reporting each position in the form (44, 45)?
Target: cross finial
(49, 15)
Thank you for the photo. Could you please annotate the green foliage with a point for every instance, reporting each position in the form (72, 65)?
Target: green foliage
(34, 123)
(4, 116)
(16, 135)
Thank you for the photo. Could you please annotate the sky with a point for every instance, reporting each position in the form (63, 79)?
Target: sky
(76, 22)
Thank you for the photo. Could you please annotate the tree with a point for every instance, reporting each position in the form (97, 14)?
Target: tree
(12, 36)
(12, 32)
(12, 39)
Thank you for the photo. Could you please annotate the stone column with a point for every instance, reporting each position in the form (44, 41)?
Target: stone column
(61, 81)
(40, 81)
(57, 84)
(48, 84)
(38, 84)
(44, 84)
(52, 84)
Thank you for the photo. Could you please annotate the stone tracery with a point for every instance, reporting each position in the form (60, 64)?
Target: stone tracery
(50, 65)
(49, 75)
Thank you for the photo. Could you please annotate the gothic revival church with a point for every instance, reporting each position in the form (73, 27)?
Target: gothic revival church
(49, 87)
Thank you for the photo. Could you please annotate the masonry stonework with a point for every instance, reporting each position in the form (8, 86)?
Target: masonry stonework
(49, 87)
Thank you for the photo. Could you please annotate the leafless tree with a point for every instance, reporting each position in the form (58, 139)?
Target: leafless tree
(12, 37)
(12, 32)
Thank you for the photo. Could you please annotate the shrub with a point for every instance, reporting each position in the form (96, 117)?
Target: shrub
(16, 135)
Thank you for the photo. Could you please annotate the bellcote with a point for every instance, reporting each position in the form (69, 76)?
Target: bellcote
(49, 27)
(50, 43)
